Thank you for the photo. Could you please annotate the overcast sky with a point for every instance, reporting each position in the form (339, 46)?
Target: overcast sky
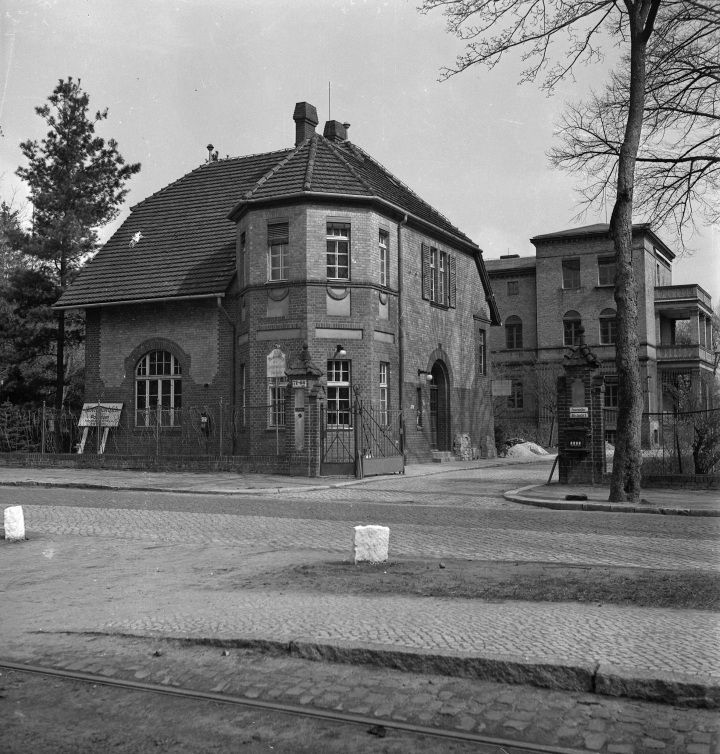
(177, 75)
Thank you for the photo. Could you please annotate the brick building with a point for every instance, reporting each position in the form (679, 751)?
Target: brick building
(568, 284)
(248, 258)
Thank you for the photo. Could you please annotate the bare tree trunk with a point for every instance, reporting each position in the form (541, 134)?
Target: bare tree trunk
(625, 482)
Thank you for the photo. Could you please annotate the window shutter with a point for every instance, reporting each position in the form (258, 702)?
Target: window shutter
(277, 233)
(426, 272)
(453, 277)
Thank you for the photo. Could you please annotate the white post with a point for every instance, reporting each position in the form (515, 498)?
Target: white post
(14, 524)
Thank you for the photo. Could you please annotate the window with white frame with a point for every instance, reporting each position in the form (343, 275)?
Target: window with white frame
(158, 390)
(276, 402)
(338, 393)
(606, 270)
(384, 367)
(608, 327)
(383, 243)
(338, 251)
(278, 251)
(439, 276)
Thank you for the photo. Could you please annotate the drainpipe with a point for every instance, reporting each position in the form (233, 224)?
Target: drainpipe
(233, 376)
(401, 337)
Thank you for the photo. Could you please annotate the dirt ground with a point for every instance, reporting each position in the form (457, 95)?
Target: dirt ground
(494, 580)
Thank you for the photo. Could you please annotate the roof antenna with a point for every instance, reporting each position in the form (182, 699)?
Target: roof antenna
(329, 116)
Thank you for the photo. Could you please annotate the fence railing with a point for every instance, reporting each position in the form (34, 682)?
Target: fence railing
(685, 442)
(211, 429)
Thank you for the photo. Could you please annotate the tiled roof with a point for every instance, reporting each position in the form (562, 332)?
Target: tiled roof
(186, 243)
(186, 246)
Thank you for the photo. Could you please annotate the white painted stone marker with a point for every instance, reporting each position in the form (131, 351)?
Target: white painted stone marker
(14, 524)
(371, 543)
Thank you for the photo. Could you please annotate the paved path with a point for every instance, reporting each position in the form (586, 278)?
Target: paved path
(639, 638)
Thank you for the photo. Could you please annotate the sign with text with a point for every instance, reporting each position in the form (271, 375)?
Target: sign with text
(107, 416)
(579, 412)
(299, 383)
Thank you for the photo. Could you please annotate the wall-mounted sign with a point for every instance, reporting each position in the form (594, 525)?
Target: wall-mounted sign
(579, 412)
(501, 387)
(276, 364)
(299, 383)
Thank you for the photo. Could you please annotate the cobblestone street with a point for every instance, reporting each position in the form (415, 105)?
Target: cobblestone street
(109, 562)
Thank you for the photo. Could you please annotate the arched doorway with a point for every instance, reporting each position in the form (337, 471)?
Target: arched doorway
(440, 408)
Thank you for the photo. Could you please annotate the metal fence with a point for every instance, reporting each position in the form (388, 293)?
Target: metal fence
(682, 442)
(211, 429)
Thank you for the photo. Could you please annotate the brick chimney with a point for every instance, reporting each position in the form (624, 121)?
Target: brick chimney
(336, 131)
(305, 117)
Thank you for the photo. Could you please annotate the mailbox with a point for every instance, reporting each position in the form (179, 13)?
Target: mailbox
(576, 439)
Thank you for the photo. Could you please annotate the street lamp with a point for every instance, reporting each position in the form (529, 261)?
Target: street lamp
(428, 375)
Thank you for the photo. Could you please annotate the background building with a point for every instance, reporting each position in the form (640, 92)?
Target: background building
(314, 256)
(545, 300)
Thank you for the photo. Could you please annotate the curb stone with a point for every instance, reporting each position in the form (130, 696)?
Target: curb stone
(680, 689)
(517, 496)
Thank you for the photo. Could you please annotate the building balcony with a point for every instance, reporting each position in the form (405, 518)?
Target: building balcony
(682, 299)
(684, 353)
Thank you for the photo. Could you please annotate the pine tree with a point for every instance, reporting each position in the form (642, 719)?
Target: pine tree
(77, 185)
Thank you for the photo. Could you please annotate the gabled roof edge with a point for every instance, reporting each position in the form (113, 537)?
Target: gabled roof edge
(495, 318)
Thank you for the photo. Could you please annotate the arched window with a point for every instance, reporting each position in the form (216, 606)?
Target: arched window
(571, 328)
(158, 390)
(513, 332)
(608, 326)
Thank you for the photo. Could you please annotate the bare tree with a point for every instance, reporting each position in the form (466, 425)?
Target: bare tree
(677, 171)
(494, 28)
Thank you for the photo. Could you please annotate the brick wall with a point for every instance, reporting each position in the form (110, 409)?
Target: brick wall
(196, 332)
(200, 336)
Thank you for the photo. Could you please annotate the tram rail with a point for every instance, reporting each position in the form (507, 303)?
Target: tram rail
(374, 724)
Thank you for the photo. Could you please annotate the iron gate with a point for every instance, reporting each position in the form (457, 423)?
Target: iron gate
(367, 446)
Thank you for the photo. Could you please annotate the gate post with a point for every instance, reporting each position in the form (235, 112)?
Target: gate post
(581, 434)
(302, 426)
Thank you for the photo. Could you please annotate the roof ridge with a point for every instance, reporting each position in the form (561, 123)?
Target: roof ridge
(343, 159)
(275, 169)
(307, 183)
(200, 167)
(366, 156)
